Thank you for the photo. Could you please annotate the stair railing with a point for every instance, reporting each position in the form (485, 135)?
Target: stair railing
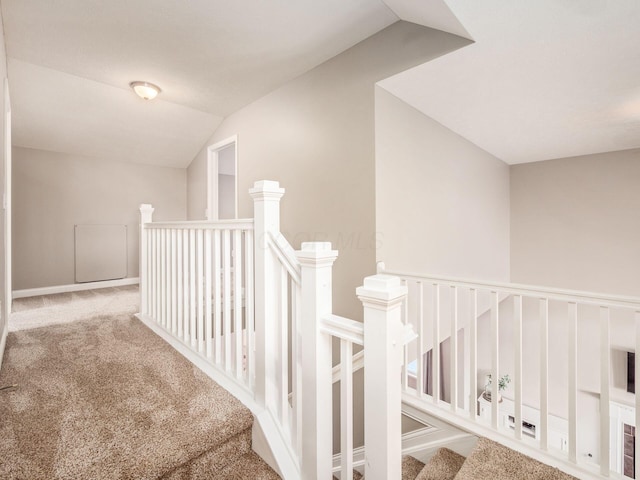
(469, 320)
(236, 299)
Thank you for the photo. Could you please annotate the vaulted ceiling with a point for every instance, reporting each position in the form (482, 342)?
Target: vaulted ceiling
(544, 79)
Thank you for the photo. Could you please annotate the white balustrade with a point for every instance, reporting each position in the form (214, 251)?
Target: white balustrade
(477, 310)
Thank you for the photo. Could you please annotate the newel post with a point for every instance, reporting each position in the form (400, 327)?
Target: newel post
(266, 196)
(382, 297)
(146, 216)
(316, 261)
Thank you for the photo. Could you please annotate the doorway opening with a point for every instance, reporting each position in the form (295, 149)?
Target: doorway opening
(222, 180)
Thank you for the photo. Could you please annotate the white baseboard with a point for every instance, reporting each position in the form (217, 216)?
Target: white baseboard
(76, 287)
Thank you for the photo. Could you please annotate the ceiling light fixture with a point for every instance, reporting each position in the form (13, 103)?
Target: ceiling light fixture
(145, 90)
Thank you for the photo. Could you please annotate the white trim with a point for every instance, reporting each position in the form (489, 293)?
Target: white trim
(3, 339)
(212, 169)
(75, 287)
(6, 191)
(286, 465)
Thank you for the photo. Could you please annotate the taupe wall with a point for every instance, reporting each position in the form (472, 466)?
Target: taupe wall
(3, 300)
(574, 223)
(52, 192)
(315, 135)
(442, 203)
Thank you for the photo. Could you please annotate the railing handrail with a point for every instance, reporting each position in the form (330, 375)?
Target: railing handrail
(343, 328)
(231, 224)
(286, 255)
(571, 296)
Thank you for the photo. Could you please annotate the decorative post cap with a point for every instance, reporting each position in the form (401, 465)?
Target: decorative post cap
(313, 253)
(146, 207)
(266, 188)
(382, 288)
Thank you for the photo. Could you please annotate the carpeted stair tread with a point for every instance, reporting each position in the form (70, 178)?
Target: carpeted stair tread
(444, 465)
(107, 398)
(249, 466)
(490, 460)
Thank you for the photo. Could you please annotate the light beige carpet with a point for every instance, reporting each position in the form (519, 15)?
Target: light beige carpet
(490, 460)
(35, 312)
(105, 398)
(444, 465)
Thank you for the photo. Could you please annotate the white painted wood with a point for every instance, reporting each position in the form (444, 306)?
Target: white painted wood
(231, 224)
(382, 297)
(435, 354)
(495, 365)
(341, 327)
(316, 260)
(179, 284)
(163, 278)
(146, 216)
(266, 197)
(207, 295)
(405, 360)
(420, 386)
(296, 368)
(517, 364)
(226, 297)
(193, 308)
(453, 350)
(544, 374)
(346, 409)
(186, 285)
(217, 295)
(473, 355)
(199, 289)
(357, 362)
(237, 301)
(156, 275)
(572, 380)
(249, 312)
(286, 254)
(605, 366)
(174, 283)
(283, 354)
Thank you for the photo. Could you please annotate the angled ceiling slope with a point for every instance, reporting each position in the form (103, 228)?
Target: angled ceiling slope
(545, 79)
(210, 57)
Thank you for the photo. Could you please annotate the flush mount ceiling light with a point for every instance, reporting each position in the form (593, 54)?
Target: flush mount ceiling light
(145, 90)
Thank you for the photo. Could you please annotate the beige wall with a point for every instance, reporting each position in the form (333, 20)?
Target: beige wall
(52, 192)
(3, 163)
(574, 223)
(315, 135)
(442, 203)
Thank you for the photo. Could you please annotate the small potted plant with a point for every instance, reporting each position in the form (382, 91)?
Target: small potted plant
(503, 381)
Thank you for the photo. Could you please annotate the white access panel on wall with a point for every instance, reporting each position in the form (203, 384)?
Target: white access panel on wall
(101, 252)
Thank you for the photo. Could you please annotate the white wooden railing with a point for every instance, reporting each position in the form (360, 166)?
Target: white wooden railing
(470, 318)
(237, 300)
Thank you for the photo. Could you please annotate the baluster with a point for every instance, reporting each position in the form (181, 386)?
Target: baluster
(453, 359)
(473, 354)
(296, 371)
(199, 291)
(237, 299)
(495, 344)
(544, 373)
(179, 284)
(207, 294)
(346, 409)
(572, 353)
(217, 296)
(284, 348)
(163, 277)
(248, 308)
(192, 287)
(605, 366)
(227, 299)
(174, 282)
(435, 352)
(185, 281)
(155, 275)
(405, 350)
(420, 362)
(517, 361)
(168, 297)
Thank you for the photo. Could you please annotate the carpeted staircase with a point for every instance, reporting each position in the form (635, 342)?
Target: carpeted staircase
(487, 461)
(105, 398)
